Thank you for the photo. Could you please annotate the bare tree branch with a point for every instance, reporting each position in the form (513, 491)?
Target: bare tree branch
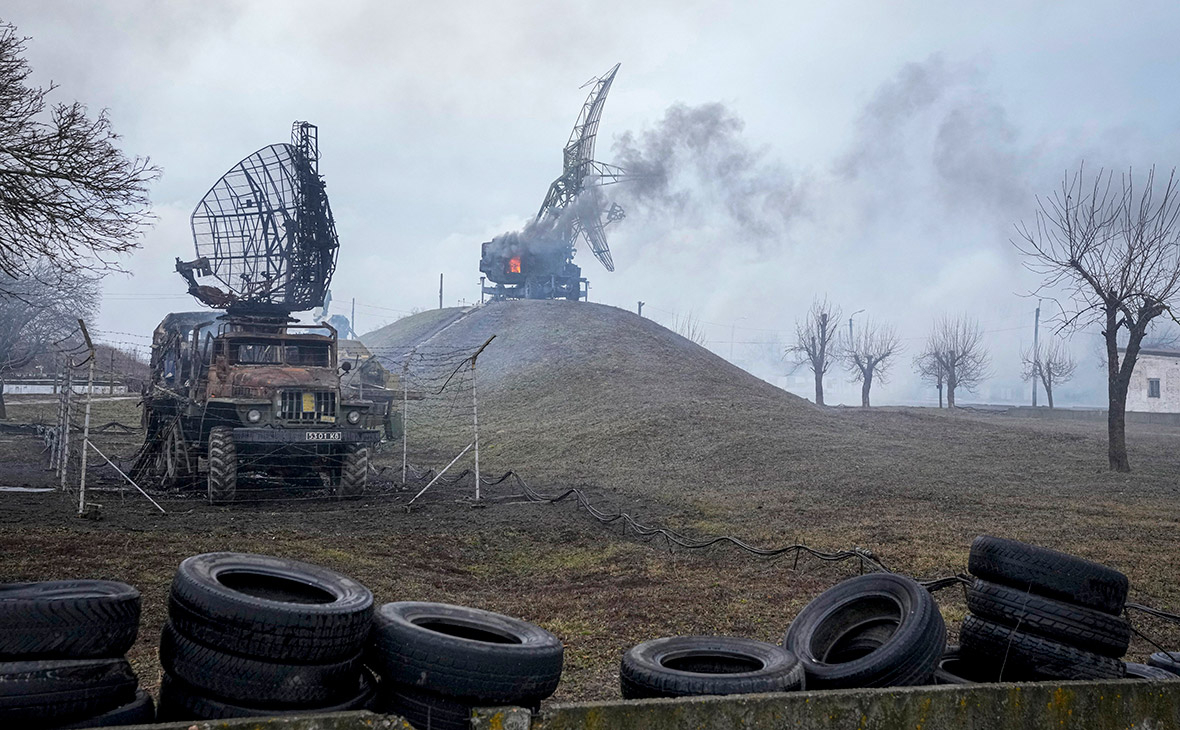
(817, 342)
(68, 195)
(689, 327)
(1114, 253)
(1050, 363)
(954, 355)
(869, 354)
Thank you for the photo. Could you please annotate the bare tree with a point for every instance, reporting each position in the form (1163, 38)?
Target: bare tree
(955, 346)
(869, 354)
(1050, 364)
(68, 195)
(1113, 252)
(689, 327)
(817, 342)
(39, 313)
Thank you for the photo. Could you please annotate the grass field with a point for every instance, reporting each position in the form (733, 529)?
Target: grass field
(654, 426)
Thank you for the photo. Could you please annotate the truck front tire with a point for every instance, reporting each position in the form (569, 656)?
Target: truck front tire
(223, 465)
(354, 473)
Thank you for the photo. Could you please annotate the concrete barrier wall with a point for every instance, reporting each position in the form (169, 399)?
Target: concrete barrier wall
(1107, 705)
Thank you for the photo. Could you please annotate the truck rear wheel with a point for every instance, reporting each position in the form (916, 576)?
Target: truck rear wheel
(223, 465)
(354, 473)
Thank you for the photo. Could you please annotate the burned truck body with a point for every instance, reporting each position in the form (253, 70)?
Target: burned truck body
(251, 390)
(238, 394)
(536, 272)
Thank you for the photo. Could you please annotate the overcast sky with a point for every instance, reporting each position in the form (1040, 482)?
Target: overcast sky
(874, 152)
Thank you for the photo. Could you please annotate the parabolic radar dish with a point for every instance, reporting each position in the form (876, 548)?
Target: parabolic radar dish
(265, 238)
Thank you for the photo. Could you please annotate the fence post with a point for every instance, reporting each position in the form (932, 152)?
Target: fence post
(64, 466)
(405, 410)
(86, 420)
(475, 418)
(475, 412)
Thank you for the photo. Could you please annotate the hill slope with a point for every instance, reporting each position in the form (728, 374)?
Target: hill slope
(577, 394)
(591, 393)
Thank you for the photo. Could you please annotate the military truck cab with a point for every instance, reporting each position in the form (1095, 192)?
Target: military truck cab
(236, 394)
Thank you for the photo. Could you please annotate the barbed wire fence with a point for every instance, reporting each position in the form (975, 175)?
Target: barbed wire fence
(433, 397)
(439, 414)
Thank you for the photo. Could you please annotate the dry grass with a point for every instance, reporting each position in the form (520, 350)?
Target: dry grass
(589, 396)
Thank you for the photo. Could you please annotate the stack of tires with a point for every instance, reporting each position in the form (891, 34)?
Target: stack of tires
(61, 656)
(1037, 613)
(436, 662)
(688, 666)
(253, 635)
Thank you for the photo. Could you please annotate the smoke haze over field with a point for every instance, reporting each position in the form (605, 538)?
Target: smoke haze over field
(878, 154)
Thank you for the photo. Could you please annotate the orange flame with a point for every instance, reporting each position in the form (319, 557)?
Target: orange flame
(514, 265)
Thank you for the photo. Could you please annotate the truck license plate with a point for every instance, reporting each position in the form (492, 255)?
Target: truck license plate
(324, 435)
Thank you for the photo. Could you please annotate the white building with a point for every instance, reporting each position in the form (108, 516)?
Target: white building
(1155, 383)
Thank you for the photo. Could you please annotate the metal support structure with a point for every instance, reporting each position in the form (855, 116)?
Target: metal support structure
(129, 479)
(405, 412)
(475, 411)
(86, 418)
(440, 280)
(439, 475)
(64, 466)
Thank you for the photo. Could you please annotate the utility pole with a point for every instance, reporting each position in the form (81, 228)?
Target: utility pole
(732, 336)
(111, 375)
(481, 285)
(641, 309)
(352, 321)
(440, 276)
(1036, 351)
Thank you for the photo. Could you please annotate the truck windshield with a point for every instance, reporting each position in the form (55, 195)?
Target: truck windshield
(312, 354)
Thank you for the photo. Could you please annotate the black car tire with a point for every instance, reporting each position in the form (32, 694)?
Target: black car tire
(139, 711)
(270, 608)
(426, 710)
(48, 692)
(686, 666)
(1169, 661)
(178, 701)
(1082, 627)
(829, 636)
(1048, 573)
(1040, 658)
(67, 619)
(464, 652)
(1146, 671)
(259, 683)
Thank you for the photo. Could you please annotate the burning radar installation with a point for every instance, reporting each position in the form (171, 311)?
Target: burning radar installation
(538, 262)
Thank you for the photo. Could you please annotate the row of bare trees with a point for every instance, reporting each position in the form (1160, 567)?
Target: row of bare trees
(952, 359)
(866, 354)
(1108, 252)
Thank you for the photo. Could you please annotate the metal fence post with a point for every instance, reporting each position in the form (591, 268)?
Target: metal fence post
(64, 465)
(405, 411)
(475, 412)
(475, 419)
(86, 420)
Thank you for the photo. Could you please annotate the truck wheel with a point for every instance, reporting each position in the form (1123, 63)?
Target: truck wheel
(354, 473)
(223, 465)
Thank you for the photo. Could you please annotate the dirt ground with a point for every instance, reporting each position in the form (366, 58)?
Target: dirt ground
(914, 486)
